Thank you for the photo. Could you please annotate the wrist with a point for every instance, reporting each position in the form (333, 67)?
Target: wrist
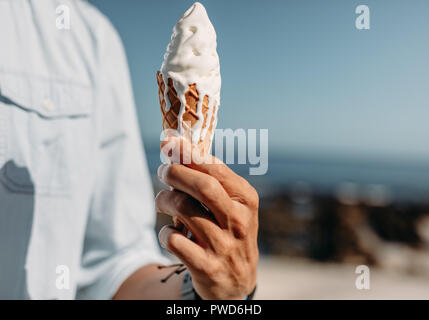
(189, 292)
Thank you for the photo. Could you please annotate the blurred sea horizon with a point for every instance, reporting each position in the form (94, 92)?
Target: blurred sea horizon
(399, 180)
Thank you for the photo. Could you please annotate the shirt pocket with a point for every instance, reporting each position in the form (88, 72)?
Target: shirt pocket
(48, 133)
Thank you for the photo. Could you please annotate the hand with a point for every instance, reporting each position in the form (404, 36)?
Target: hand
(220, 209)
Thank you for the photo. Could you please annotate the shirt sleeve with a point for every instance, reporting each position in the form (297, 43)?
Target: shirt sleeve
(120, 235)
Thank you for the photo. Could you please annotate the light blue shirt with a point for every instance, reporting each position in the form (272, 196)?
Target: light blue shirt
(76, 202)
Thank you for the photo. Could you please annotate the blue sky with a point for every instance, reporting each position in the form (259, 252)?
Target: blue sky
(301, 69)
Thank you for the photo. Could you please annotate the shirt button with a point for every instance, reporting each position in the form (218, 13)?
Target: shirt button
(48, 105)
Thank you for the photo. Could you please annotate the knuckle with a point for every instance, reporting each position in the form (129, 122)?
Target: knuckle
(224, 246)
(253, 199)
(219, 171)
(240, 231)
(208, 187)
(212, 269)
(240, 226)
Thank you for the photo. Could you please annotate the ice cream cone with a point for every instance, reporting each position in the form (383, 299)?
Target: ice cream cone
(189, 82)
(170, 117)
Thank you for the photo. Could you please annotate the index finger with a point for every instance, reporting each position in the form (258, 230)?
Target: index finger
(180, 150)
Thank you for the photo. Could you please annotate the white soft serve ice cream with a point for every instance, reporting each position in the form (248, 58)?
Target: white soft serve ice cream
(191, 58)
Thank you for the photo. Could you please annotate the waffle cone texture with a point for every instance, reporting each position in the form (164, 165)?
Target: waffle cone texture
(170, 118)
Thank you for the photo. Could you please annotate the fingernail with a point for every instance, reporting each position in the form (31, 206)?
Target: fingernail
(162, 170)
(163, 236)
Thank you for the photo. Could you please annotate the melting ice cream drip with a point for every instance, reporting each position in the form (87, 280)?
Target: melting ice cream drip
(191, 58)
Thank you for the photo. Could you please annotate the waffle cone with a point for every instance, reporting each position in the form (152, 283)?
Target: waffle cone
(170, 117)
